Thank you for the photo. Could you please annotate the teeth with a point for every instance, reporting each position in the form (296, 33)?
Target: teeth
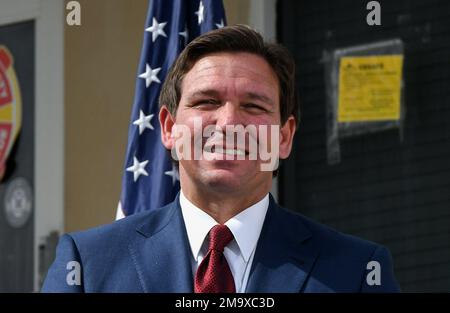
(239, 152)
(230, 151)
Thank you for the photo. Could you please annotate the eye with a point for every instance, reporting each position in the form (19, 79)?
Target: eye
(206, 103)
(254, 107)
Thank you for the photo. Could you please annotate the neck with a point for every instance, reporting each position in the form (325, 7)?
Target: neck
(221, 207)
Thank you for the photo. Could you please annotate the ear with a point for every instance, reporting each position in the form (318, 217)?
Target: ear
(166, 121)
(287, 132)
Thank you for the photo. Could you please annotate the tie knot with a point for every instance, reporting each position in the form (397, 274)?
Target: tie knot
(219, 237)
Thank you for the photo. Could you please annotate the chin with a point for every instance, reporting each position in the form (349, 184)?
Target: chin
(223, 179)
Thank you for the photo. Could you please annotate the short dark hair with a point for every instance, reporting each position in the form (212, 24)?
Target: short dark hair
(236, 38)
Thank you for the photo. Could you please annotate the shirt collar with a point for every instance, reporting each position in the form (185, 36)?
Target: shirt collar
(198, 224)
(245, 226)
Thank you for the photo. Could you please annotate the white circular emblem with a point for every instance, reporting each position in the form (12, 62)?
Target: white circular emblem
(18, 202)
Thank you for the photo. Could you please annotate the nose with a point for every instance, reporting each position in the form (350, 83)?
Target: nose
(229, 114)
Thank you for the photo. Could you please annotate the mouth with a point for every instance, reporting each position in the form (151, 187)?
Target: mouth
(221, 150)
(229, 151)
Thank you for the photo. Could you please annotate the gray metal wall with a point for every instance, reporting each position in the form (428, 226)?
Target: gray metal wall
(390, 191)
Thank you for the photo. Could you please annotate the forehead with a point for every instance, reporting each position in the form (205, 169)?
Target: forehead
(233, 70)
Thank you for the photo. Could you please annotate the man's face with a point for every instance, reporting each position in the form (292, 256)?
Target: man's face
(224, 90)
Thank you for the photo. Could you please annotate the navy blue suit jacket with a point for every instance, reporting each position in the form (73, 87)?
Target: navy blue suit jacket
(149, 252)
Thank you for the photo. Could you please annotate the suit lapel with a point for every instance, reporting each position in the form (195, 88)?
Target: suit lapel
(284, 255)
(283, 259)
(161, 252)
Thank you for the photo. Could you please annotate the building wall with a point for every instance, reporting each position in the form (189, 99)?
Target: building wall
(237, 11)
(101, 58)
(392, 191)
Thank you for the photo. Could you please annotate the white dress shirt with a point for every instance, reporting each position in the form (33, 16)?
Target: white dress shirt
(245, 226)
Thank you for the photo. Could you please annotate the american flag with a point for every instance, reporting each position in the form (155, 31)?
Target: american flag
(150, 180)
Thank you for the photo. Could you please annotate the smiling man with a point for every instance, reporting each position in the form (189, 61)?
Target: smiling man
(224, 232)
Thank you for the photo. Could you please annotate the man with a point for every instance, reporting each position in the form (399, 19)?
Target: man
(224, 232)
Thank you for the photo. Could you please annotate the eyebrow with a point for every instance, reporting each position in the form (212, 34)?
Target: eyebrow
(215, 94)
(207, 92)
(260, 97)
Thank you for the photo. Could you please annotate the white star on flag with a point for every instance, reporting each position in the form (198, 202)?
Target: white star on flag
(220, 25)
(119, 213)
(200, 13)
(174, 174)
(185, 34)
(150, 75)
(156, 29)
(138, 168)
(143, 122)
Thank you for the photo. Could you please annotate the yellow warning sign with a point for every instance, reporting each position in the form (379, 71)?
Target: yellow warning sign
(369, 88)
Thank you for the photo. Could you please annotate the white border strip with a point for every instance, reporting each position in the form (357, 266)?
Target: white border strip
(263, 18)
(49, 122)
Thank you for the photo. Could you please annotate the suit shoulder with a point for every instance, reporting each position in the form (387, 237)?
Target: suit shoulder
(345, 261)
(333, 239)
(117, 233)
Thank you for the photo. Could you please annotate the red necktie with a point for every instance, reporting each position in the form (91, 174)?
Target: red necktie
(213, 273)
